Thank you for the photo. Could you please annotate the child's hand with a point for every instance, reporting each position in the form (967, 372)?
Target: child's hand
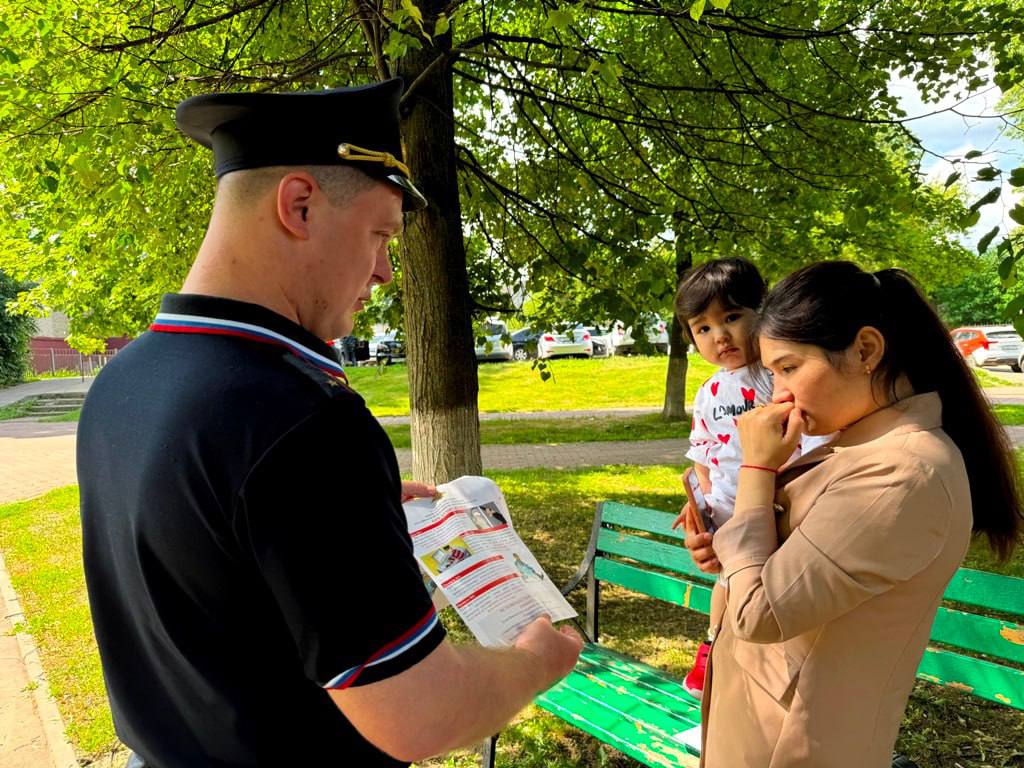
(683, 518)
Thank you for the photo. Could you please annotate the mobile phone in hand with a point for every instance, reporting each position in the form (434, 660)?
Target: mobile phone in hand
(698, 503)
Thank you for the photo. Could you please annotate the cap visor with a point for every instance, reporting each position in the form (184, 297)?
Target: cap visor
(414, 199)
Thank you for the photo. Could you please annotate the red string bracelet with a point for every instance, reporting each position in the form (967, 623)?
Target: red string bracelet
(763, 469)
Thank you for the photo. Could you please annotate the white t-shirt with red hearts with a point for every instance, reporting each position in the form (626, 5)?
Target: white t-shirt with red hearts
(714, 439)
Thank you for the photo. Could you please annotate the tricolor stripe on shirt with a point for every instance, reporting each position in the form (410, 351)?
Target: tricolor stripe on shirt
(167, 322)
(396, 647)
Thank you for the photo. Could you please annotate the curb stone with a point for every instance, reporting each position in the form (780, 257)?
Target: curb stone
(58, 748)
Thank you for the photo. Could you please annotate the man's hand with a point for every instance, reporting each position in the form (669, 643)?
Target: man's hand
(484, 689)
(556, 649)
(413, 490)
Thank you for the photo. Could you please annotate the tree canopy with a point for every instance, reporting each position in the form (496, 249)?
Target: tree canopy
(582, 129)
(579, 153)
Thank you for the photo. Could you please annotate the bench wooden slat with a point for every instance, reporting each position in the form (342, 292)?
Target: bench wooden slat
(985, 679)
(987, 590)
(971, 587)
(993, 637)
(669, 557)
(640, 519)
(676, 591)
(640, 675)
(608, 696)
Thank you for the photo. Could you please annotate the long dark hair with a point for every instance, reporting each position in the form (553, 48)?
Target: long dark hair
(826, 304)
(735, 282)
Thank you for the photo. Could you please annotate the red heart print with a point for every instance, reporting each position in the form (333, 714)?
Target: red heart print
(724, 438)
(714, 461)
(748, 394)
(714, 389)
(704, 425)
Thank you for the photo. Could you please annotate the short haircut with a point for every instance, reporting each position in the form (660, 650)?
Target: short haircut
(339, 183)
(733, 281)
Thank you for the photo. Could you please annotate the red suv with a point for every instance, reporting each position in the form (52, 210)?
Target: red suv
(988, 345)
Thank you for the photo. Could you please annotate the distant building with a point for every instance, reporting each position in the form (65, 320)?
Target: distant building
(50, 351)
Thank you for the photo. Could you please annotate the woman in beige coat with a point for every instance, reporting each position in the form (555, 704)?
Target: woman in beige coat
(836, 563)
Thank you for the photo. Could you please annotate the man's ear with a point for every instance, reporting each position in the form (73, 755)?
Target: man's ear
(294, 194)
(869, 346)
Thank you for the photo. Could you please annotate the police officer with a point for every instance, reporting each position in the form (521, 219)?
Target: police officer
(247, 612)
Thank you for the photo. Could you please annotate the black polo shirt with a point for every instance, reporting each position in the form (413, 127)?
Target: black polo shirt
(245, 546)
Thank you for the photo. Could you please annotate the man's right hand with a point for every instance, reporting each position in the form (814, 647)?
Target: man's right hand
(556, 649)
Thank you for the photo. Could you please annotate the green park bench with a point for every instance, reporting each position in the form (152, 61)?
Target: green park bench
(977, 640)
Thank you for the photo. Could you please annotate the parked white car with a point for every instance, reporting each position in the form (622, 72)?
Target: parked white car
(619, 339)
(575, 342)
(494, 348)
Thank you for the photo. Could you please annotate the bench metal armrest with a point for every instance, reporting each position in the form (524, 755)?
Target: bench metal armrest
(588, 557)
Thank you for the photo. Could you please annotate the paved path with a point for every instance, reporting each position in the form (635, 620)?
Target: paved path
(34, 458)
(569, 455)
(45, 387)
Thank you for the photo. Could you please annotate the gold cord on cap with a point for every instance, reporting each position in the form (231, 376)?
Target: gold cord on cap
(352, 153)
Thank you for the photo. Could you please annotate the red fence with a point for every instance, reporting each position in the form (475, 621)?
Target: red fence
(54, 356)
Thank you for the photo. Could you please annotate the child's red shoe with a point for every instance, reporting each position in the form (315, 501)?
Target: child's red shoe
(694, 681)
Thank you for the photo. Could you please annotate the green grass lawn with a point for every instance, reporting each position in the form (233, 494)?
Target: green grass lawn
(16, 410)
(553, 510)
(1010, 415)
(556, 431)
(989, 379)
(617, 382)
(69, 416)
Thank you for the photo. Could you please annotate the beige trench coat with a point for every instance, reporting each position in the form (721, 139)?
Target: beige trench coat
(832, 596)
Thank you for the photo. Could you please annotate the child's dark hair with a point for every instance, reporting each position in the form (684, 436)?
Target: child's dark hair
(735, 282)
(827, 304)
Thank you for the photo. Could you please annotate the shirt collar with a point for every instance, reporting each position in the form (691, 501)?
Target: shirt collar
(242, 312)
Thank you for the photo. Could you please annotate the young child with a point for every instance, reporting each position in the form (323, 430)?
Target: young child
(717, 305)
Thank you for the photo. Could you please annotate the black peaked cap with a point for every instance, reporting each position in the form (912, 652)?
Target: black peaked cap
(356, 126)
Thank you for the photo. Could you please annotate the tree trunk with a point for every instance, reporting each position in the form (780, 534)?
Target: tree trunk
(675, 379)
(435, 285)
(674, 408)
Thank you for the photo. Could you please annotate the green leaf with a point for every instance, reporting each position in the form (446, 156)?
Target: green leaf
(52, 165)
(1006, 267)
(1017, 177)
(973, 154)
(720, 4)
(951, 179)
(49, 183)
(855, 219)
(610, 72)
(970, 219)
(1015, 309)
(414, 13)
(559, 19)
(986, 174)
(986, 240)
(1017, 214)
(441, 25)
(990, 197)
(697, 9)
(398, 43)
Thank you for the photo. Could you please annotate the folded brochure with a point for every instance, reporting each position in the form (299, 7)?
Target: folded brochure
(473, 559)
